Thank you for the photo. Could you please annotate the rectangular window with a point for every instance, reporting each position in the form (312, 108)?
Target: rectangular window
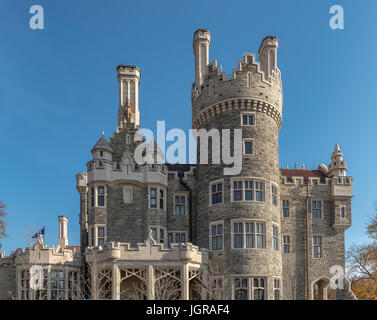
(274, 195)
(258, 288)
(161, 199)
(275, 238)
(248, 235)
(101, 196)
(217, 193)
(93, 237)
(241, 288)
(285, 205)
(237, 191)
(342, 212)
(248, 147)
(153, 197)
(238, 235)
(316, 209)
(248, 119)
(259, 191)
(158, 234)
(162, 236)
(243, 190)
(101, 236)
(92, 197)
(180, 205)
(286, 244)
(216, 236)
(317, 247)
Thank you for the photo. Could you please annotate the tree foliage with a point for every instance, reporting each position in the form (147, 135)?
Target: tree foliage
(362, 265)
(2, 221)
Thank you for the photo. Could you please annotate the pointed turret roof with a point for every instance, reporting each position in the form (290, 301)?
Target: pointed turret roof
(336, 152)
(102, 144)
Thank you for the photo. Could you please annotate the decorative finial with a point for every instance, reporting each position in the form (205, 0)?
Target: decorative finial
(295, 166)
(103, 133)
(303, 166)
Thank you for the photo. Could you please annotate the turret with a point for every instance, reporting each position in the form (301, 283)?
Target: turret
(63, 238)
(268, 56)
(337, 167)
(200, 46)
(129, 80)
(102, 150)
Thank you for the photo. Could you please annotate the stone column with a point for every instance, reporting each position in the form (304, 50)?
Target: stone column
(185, 282)
(150, 286)
(115, 289)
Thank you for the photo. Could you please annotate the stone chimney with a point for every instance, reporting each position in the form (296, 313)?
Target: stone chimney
(63, 238)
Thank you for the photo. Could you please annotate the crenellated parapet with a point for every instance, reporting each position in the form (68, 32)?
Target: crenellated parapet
(150, 250)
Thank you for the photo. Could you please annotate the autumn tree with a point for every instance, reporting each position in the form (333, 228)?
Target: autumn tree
(2, 221)
(362, 264)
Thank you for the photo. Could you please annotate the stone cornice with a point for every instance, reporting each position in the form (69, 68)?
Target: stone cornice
(237, 104)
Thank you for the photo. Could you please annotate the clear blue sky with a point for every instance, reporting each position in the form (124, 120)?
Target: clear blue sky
(58, 89)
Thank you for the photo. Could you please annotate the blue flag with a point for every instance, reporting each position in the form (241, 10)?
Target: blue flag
(40, 232)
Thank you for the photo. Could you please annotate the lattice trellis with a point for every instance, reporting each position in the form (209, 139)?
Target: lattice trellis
(126, 273)
(174, 273)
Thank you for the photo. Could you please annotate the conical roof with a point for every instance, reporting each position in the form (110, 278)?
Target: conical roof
(102, 144)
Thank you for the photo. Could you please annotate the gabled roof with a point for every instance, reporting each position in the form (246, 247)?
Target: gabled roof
(289, 173)
(102, 144)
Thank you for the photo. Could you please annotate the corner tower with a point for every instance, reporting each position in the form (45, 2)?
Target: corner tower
(238, 217)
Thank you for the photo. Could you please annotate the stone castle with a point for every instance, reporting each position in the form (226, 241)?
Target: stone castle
(265, 234)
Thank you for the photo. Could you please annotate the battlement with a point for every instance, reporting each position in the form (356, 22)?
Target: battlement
(253, 80)
(147, 251)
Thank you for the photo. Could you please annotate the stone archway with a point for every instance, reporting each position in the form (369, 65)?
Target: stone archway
(320, 289)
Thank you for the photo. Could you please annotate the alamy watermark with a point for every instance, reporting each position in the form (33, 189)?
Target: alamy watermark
(225, 150)
(337, 20)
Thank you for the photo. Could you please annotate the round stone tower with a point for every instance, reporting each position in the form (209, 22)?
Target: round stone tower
(238, 216)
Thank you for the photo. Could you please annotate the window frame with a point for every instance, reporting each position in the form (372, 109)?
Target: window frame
(174, 235)
(180, 194)
(157, 197)
(274, 185)
(342, 207)
(211, 236)
(284, 243)
(244, 140)
(254, 190)
(215, 182)
(321, 208)
(275, 238)
(283, 202)
(253, 114)
(317, 245)
(158, 234)
(255, 235)
(95, 227)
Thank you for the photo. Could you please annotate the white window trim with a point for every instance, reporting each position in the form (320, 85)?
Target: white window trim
(232, 221)
(280, 288)
(210, 192)
(247, 114)
(158, 188)
(244, 140)
(186, 203)
(96, 226)
(322, 245)
(277, 195)
(243, 190)
(210, 234)
(311, 209)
